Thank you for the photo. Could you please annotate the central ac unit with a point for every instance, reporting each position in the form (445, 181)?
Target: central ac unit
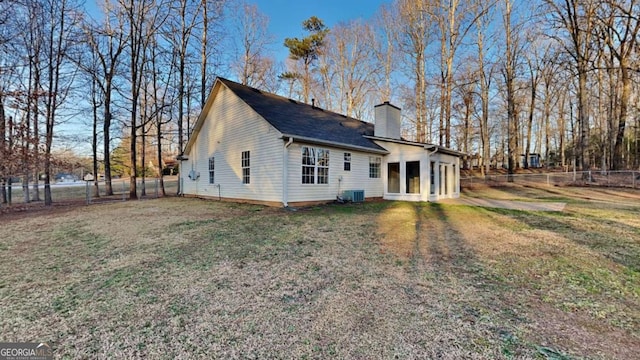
(353, 195)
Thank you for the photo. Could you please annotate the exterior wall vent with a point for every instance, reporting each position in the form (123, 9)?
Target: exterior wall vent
(353, 195)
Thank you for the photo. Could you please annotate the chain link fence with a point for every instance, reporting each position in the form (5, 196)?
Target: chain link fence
(622, 179)
(84, 191)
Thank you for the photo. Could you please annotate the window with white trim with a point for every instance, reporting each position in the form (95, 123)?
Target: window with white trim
(212, 170)
(246, 167)
(347, 162)
(315, 165)
(374, 166)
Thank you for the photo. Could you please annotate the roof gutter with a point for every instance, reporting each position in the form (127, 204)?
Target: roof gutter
(335, 144)
(434, 149)
(440, 149)
(285, 171)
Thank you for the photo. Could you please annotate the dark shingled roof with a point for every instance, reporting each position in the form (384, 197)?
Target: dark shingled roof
(296, 119)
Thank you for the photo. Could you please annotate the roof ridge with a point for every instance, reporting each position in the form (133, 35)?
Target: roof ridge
(306, 121)
(298, 102)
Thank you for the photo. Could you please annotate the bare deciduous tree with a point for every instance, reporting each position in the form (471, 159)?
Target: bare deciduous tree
(350, 59)
(620, 26)
(107, 40)
(575, 20)
(142, 20)
(252, 62)
(415, 27)
(62, 24)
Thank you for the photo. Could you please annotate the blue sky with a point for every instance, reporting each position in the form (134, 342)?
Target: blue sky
(286, 16)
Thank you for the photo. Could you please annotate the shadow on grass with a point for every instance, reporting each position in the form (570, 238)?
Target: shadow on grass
(611, 239)
(469, 295)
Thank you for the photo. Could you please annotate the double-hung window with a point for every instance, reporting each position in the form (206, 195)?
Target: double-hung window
(347, 162)
(374, 166)
(246, 167)
(315, 165)
(212, 170)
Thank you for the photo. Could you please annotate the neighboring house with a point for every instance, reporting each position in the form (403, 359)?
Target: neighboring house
(249, 145)
(535, 160)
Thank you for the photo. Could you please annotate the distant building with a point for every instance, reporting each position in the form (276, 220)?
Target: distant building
(535, 160)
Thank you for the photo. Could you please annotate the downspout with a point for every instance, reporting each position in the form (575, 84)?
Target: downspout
(181, 159)
(435, 147)
(456, 177)
(285, 172)
(435, 178)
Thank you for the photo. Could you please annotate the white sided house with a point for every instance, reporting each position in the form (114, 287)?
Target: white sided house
(251, 146)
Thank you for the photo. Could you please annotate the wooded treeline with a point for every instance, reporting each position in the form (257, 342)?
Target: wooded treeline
(496, 79)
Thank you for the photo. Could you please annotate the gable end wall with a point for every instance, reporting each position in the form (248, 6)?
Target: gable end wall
(230, 128)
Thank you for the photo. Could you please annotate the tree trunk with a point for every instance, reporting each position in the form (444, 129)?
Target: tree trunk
(512, 126)
(3, 190)
(562, 127)
(37, 76)
(532, 108)
(443, 90)
(94, 142)
(25, 188)
(9, 191)
(159, 154)
(618, 150)
(484, 100)
(583, 122)
(419, 94)
(143, 182)
(25, 160)
(56, 55)
(447, 102)
(106, 138)
(3, 151)
(467, 129)
(203, 58)
(546, 121)
(611, 112)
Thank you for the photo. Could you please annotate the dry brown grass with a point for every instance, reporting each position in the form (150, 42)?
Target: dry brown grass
(186, 278)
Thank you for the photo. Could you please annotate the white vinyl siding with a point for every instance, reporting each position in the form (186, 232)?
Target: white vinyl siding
(356, 179)
(232, 127)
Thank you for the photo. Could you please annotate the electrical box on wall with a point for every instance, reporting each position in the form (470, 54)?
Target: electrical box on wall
(194, 175)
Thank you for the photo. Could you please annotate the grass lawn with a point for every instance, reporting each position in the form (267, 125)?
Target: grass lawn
(188, 278)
